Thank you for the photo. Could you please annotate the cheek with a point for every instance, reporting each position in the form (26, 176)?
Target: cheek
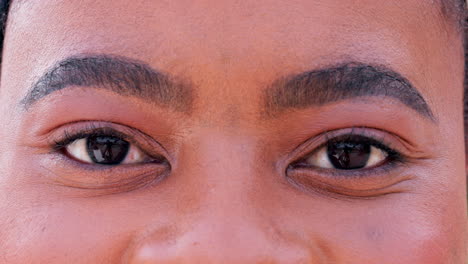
(400, 228)
(60, 233)
(409, 241)
(410, 235)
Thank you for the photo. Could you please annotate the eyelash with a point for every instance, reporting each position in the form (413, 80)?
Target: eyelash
(393, 159)
(89, 131)
(95, 130)
(70, 135)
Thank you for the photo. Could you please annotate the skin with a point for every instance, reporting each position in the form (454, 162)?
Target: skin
(227, 197)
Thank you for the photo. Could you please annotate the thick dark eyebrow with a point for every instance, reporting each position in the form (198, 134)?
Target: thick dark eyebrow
(121, 75)
(345, 81)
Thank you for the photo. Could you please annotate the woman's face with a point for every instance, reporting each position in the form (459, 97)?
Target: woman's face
(320, 131)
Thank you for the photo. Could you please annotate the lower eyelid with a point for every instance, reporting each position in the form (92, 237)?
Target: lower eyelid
(133, 183)
(373, 177)
(66, 172)
(377, 182)
(375, 171)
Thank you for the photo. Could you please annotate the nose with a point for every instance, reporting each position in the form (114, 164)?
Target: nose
(235, 221)
(222, 239)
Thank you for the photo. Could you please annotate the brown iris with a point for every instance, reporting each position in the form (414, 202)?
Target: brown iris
(107, 150)
(348, 155)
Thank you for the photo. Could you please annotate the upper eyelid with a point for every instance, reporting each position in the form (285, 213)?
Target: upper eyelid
(380, 143)
(134, 136)
(313, 144)
(364, 132)
(70, 137)
(397, 160)
(367, 181)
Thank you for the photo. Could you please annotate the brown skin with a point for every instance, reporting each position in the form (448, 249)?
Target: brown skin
(227, 198)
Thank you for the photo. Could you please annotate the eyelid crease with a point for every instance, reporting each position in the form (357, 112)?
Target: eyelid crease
(381, 144)
(363, 183)
(407, 149)
(401, 159)
(330, 135)
(89, 129)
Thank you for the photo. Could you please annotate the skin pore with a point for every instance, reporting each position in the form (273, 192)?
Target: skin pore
(228, 110)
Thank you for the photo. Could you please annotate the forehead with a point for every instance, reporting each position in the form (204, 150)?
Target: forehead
(220, 29)
(229, 44)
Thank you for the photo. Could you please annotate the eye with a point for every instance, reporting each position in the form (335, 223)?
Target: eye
(348, 154)
(352, 162)
(105, 150)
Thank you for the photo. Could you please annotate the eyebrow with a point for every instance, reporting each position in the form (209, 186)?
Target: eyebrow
(118, 74)
(345, 81)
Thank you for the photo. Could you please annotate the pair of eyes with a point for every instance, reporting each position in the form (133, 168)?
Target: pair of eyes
(350, 152)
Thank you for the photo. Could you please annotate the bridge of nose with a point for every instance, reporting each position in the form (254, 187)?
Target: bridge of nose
(231, 218)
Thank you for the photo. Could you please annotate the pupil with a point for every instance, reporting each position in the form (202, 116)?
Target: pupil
(348, 155)
(107, 150)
